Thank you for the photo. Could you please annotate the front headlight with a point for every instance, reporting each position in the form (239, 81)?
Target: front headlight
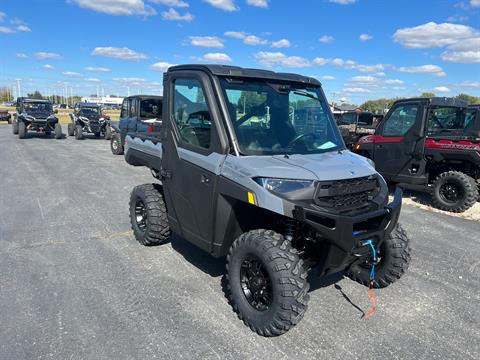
(283, 185)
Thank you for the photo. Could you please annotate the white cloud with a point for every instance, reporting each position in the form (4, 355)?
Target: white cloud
(161, 66)
(465, 57)
(365, 37)
(48, 67)
(364, 79)
(327, 77)
(93, 80)
(358, 90)
(2, 16)
(270, 59)
(343, 2)
(123, 53)
(475, 3)
(72, 74)
(433, 35)
(6, 30)
(23, 28)
(394, 82)
(117, 7)
(254, 40)
(423, 69)
(457, 18)
(283, 43)
(216, 57)
(130, 81)
(469, 84)
(326, 39)
(97, 69)
(42, 55)
(206, 41)
(236, 34)
(226, 5)
(442, 89)
(348, 64)
(174, 15)
(258, 3)
(21, 56)
(172, 3)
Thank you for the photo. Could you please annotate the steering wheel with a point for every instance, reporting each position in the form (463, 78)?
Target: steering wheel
(300, 137)
(438, 122)
(254, 111)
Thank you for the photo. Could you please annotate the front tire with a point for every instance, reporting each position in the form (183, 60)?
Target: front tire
(108, 132)
(70, 129)
(78, 132)
(454, 191)
(394, 256)
(116, 144)
(148, 215)
(266, 282)
(15, 127)
(58, 131)
(22, 130)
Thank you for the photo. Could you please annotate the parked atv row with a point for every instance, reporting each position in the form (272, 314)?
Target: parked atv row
(34, 115)
(431, 142)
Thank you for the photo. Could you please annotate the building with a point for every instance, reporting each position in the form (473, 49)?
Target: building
(105, 100)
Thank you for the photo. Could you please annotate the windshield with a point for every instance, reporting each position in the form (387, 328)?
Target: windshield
(32, 106)
(88, 111)
(276, 119)
(444, 119)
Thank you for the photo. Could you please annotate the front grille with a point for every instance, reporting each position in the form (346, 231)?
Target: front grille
(346, 195)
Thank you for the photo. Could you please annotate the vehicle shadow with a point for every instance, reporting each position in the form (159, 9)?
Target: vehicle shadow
(202, 260)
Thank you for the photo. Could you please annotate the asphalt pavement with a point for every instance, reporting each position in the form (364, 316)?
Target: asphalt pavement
(74, 283)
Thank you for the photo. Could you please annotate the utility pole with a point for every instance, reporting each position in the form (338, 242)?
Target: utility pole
(18, 88)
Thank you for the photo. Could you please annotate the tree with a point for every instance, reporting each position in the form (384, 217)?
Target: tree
(35, 95)
(250, 99)
(427, 95)
(378, 106)
(468, 98)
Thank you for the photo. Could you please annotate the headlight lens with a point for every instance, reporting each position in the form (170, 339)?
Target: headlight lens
(283, 185)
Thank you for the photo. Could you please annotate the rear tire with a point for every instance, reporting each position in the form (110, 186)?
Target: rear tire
(58, 131)
(15, 127)
(266, 282)
(108, 132)
(394, 256)
(454, 191)
(10, 120)
(22, 130)
(148, 215)
(70, 129)
(78, 132)
(116, 144)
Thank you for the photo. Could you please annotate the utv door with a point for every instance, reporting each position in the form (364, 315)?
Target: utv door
(192, 156)
(398, 147)
(149, 125)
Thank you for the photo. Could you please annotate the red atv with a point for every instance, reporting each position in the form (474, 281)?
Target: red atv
(433, 142)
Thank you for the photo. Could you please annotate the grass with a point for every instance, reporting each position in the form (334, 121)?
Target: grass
(63, 114)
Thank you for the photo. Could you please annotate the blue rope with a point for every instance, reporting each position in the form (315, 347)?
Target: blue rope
(374, 253)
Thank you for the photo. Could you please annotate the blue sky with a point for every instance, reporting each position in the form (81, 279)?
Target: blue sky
(359, 49)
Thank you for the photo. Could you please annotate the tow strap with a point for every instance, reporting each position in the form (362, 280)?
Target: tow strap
(371, 295)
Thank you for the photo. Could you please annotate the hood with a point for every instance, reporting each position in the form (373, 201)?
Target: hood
(41, 114)
(327, 166)
(332, 165)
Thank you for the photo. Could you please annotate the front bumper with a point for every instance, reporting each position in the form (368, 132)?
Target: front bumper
(346, 235)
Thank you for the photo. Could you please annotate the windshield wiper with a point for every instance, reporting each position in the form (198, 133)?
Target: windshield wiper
(297, 92)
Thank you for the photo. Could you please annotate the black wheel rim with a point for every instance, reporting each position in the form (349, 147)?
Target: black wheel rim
(141, 215)
(451, 192)
(256, 284)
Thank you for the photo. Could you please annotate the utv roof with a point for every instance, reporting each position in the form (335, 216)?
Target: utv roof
(34, 100)
(437, 101)
(235, 71)
(144, 97)
(85, 104)
(474, 106)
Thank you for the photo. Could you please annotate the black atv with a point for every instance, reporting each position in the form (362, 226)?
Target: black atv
(434, 142)
(89, 118)
(35, 115)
